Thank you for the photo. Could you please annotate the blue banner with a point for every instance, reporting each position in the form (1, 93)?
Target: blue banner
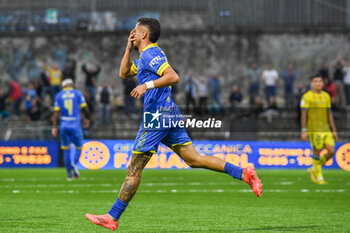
(34, 154)
(115, 154)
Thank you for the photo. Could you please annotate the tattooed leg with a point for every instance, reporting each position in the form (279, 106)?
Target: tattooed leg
(133, 177)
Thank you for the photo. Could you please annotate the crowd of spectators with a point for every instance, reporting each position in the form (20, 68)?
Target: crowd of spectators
(267, 91)
(35, 100)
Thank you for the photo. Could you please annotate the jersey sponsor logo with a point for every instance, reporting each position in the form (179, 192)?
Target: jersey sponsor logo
(343, 157)
(94, 155)
(68, 95)
(156, 60)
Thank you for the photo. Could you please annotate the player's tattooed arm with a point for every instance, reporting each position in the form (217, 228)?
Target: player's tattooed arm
(133, 177)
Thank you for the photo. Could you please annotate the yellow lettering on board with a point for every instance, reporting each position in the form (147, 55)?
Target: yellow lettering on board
(120, 159)
(153, 162)
(174, 161)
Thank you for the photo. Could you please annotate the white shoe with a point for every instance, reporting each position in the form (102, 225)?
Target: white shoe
(75, 171)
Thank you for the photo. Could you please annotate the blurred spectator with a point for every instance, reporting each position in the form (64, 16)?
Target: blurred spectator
(257, 106)
(270, 77)
(55, 78)
(346, 71)
(129, 102)
(38, 87)
(191, 92)
(324, 71)
(91, 73)
(31, 103)
(15, 92)
(271, 111)
(203, 95)
(89, 102)
(235, 97)
(5, 115)
(44, 79)
(69, 70)
(254, 81)
(215, 93)
(299, 93)
(105, 93)
(289, 77)
(329, 87)
(338, 81)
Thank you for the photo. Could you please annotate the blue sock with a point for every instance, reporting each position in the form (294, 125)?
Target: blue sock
(234, 171)
(67, 162)
(117, 209)
(77, 156)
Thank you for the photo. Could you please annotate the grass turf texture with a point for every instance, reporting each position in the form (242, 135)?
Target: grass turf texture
(34, 200)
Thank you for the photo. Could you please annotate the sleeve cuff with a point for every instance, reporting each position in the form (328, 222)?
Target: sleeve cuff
(83, 105)
(162, 68)
(134, 68)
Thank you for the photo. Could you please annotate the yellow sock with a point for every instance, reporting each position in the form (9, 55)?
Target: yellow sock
(317, 167)
(324, 159)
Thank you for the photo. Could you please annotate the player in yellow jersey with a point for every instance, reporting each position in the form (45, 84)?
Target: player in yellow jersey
(318, 125)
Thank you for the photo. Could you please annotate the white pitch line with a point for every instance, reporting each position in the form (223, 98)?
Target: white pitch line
(179, 191)
(53, 185)
(286, 183)
(164, 184)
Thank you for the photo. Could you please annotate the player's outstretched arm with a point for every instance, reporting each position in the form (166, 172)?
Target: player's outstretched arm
(125, 65)
(168, 78)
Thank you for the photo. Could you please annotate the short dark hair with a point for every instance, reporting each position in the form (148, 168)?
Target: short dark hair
(318, 75)
(153, 27)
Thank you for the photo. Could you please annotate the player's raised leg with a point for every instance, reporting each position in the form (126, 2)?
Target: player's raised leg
(194, 160)
(127, 191)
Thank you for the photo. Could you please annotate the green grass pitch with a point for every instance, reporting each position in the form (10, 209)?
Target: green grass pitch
(34, 200)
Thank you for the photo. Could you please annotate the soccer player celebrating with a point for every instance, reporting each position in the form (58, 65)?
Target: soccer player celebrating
(316, 122)
(68, 105)
(155, 77)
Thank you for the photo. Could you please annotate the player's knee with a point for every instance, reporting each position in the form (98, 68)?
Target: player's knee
(330, 152)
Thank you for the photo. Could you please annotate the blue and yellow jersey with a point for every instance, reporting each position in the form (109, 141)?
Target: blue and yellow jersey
(69, 102)
(29, 97)
(317, 105)
(150, 66)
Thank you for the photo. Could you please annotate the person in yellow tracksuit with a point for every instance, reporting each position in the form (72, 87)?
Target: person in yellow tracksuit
(317, 124)
(55, 78)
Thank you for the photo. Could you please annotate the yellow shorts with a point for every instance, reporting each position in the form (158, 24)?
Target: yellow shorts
(319, 139)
